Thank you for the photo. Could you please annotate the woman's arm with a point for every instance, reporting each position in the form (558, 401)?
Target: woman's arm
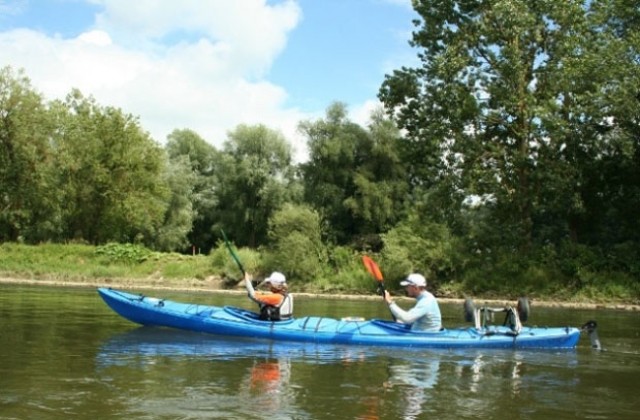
(249, 286)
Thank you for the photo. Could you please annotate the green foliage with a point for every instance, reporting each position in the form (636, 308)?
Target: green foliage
(344, 273)
(45, 258)
(80, 262)
(530, 104)
(29, 207)
(198, 185)
(185, 267)
(517, 169)
(179, 216)
(108, 172)
(603, 286)
(507, 277)
(354, 177)
(223, 264)
(419, 246)
(296, 247)
(255, 179)
(126, 253)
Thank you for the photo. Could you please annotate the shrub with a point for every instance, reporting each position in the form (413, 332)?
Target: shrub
(296, 245)
(223, 264)
(417, 246)
(125, 253)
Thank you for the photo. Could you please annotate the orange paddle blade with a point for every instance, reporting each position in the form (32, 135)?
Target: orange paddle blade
(372, 267)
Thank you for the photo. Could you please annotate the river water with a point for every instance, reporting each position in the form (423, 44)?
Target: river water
(65, 354)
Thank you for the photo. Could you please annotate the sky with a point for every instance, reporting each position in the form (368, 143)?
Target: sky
(210, 65)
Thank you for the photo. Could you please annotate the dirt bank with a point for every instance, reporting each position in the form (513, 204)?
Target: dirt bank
(214, 285)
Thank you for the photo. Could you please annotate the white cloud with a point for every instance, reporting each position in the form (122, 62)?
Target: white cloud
(361, 114)
(187, 64)
(248, 34)
(12, 7)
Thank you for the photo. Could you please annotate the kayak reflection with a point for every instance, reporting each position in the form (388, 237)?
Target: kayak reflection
(253, 376)
(249, 378)
(151, 341)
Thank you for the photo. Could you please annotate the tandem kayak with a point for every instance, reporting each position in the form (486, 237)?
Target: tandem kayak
(238, 322)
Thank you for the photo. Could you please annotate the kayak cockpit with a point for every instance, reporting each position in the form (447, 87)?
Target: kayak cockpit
(251, 316)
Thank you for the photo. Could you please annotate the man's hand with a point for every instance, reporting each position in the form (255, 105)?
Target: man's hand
(387, 297)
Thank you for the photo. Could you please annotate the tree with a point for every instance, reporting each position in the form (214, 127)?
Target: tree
(173, 235)
(522, 104)
(255, 179)
(354, 177)
(29, 209)
(204, 162)
(109, 171)
(381, 186)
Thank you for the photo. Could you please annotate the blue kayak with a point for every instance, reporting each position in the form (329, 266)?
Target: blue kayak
(238, 322)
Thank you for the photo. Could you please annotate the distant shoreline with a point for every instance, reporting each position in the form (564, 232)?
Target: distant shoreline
(214, 287)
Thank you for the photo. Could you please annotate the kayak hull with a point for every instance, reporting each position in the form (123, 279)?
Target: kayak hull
(237, 322)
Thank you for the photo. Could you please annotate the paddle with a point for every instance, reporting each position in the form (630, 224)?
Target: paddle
(374, 270)
(232, 252)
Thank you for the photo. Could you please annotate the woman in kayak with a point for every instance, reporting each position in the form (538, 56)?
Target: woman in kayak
(275, 305)
(425, 315)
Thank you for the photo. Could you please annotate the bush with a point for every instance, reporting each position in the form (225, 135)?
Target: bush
(296, 256)
(296, 245)
(416, 246)
(223, 264)
(124, 253)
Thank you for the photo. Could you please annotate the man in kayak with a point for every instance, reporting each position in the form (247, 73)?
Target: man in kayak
(425, 315)
(275, 305)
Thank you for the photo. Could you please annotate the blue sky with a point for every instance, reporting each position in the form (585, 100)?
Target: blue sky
(209, 65)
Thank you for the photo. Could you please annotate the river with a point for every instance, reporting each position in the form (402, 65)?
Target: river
(65, 354)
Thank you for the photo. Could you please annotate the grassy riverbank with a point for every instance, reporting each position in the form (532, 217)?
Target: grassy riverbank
(130, 266)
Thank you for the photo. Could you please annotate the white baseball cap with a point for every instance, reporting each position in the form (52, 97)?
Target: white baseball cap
(276, 278)
(414, 279)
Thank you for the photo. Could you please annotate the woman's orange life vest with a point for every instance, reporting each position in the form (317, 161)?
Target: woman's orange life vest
(269, 298)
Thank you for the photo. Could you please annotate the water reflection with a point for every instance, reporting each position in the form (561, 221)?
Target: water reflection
(65, 355)
(274, 378)
(416, 379)
(149, 341)
(267, 384)
(236, 375)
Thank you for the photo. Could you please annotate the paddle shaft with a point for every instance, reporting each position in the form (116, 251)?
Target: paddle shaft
(232, 252)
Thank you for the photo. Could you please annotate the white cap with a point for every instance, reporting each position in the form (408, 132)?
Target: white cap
(414, 279)
(276, 278)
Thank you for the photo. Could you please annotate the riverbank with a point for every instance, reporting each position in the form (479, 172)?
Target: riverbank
(214, 285)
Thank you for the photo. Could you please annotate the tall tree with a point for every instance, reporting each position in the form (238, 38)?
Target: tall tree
(255, 180)
(204, 162)
(354, 177)
(178, 223)
(28, 203)
(520, 103)
(109, 171)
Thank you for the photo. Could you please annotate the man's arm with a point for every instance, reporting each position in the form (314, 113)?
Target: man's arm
(410, 316)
